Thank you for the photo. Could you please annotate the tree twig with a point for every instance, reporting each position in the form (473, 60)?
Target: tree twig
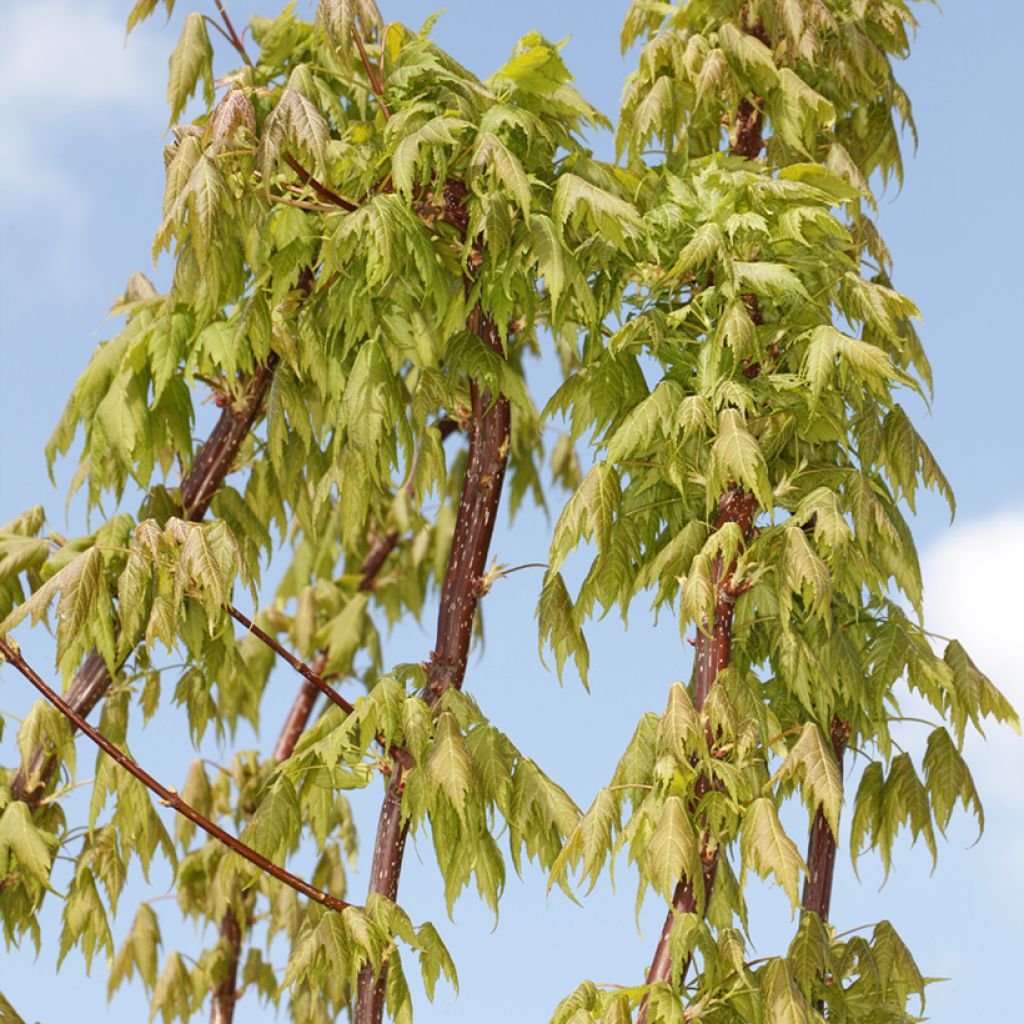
(318, 186)
(376, 82)
(301, 667)
(460, 595)
(234, 38)
(169, 797)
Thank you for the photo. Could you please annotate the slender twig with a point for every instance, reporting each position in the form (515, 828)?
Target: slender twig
(303, 204)
(376, 82)
(317, 186)
(303, 669)
(233, 36)
(168, 796)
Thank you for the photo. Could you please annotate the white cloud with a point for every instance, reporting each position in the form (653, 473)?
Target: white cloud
(66, 77)
(973, 592)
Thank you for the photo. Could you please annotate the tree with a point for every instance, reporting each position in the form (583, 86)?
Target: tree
(368, 244)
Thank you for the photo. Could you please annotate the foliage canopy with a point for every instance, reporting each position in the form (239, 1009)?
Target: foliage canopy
(370, 245)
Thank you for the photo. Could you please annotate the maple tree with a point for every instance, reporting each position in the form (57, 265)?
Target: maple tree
(369, 244)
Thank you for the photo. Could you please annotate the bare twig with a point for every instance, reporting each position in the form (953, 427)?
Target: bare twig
(376, 82)
(168, 796)
(303, 669)
(233, 37)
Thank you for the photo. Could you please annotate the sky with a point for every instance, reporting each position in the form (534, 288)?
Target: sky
(82, 119)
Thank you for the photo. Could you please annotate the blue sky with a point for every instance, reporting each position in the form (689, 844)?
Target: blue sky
(82, 117)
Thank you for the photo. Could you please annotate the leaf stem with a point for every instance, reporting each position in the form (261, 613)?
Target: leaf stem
(376, 82)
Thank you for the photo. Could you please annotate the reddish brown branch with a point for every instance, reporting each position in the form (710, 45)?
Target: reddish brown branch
(460, 594)
(234, 38)
(169, 797)
(714, 650)
(225, 995)
(303, 669)
(714, 639)
(821, 845)
(318, 187)
(211, 465)
(373, 74)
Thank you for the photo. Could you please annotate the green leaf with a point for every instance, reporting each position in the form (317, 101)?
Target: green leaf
(783, 1001)
(557, 627)
(672, 850)
(449, 766)
(191, 60)
(812, 759)
(32, 846)
(490, 151)
(738, 457)
(768, 850)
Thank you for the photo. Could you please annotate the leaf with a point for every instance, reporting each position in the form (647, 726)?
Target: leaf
(603, 213)
(767, 849)
(490, 151)
(769, 279)
(653, 416)
(439, 131)
(738, 457)
(589, 513)
(449, 766)
(871, 363)
(784, 1002)
(672, 849)
(807, 574)
(812, 759)
(680, 725)
(749, 53)
(947, 779)
(31, 845)
(557, 627)
(706, 246)
(547, 248)
(191, 60)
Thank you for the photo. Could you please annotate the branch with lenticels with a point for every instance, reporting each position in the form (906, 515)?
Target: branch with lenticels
(489, 439)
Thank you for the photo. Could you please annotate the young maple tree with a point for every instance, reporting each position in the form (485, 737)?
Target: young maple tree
(369, 243)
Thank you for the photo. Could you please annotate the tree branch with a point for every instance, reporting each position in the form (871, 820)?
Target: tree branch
(821, 844)
(318, 187)
(303, 669)
(714, 650)
(234, 38)
(460, 594)
(169, 797)
(211, 465)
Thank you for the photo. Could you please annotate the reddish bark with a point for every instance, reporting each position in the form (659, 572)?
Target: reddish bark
(211, 465)
(821, 846)
(489, 428)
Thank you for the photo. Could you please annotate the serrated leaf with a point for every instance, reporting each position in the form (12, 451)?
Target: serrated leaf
(190, 60)
(557, 627)
(812, 759)
(768, 850)
(672, 849)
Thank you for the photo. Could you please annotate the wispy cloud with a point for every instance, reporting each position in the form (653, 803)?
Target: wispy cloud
(973, 592)
(66, 77)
